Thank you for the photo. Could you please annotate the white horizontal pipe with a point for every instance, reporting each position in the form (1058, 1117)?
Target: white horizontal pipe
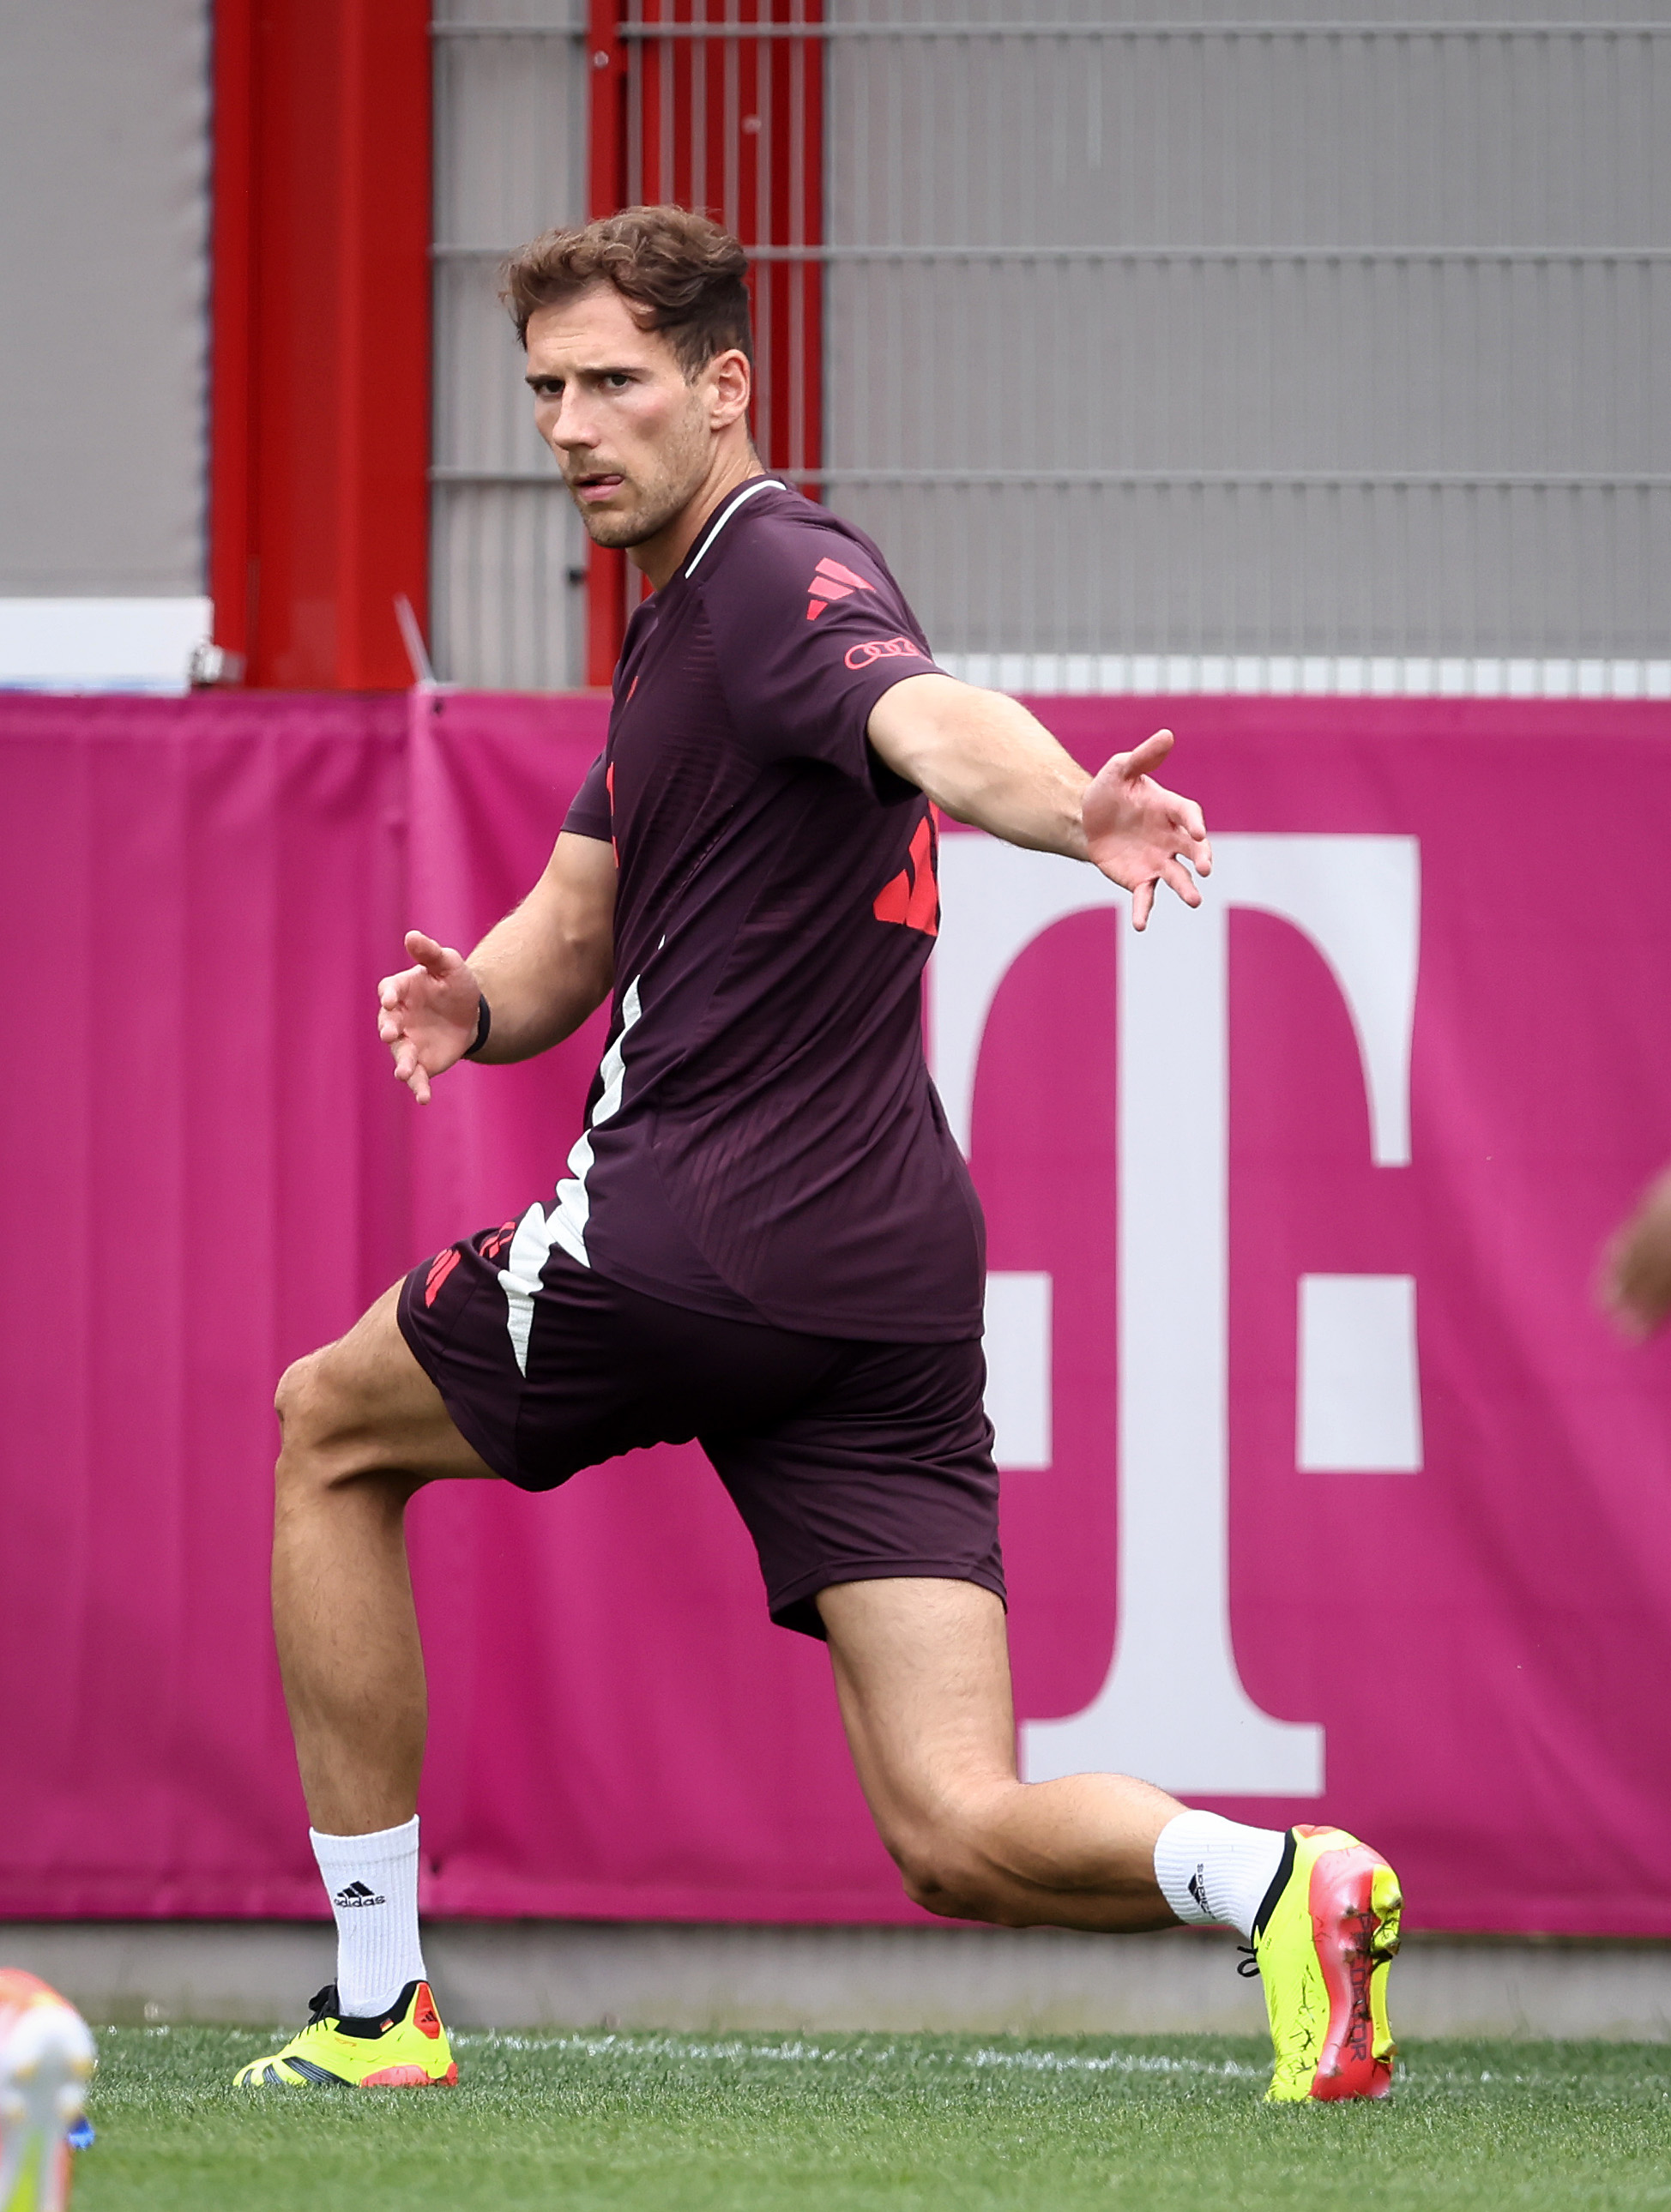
(1322, 675)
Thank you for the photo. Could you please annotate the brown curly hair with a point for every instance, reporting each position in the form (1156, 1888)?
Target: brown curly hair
(681, 275)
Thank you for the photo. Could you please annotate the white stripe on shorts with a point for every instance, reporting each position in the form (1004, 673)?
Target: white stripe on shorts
(566, 1224)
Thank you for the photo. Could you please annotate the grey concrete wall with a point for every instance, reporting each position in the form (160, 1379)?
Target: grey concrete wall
(585, 1974)
(104, 173)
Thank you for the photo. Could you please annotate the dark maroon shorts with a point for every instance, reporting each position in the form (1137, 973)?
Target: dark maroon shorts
(849, 1461)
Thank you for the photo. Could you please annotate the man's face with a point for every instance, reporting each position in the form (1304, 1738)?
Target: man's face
(633, 438)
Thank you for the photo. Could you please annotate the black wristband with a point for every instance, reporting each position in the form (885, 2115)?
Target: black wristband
(484, 1024)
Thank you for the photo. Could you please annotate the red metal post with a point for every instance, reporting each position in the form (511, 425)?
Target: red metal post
(320, 387)
(734, 126)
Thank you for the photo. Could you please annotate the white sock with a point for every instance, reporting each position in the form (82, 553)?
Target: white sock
(372, 1881)
(1214, 1872)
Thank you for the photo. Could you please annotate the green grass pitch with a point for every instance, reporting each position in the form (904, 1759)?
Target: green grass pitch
(762, 2123)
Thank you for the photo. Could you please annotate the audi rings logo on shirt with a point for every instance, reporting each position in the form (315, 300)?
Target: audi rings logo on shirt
(884, 648)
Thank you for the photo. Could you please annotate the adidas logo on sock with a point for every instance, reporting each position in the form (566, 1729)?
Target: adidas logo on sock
(357, 1893)
(1198, 1890)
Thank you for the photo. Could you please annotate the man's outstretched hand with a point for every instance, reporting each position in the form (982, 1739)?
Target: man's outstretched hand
(427, 1015)
(1140, 834)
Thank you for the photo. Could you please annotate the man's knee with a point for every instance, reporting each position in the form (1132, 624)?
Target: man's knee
(319, 1410)
(362, 1410)
(952, 1886)
(300, 1403)
(946, 1870)
(292, 1393)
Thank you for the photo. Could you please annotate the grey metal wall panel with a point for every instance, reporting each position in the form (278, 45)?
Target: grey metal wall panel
(1349, 571)
(103, 164)
(1149, 333)
(510, 157)
(502, 589)
(1338, 342)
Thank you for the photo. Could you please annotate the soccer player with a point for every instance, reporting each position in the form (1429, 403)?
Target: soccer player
(766, 1238)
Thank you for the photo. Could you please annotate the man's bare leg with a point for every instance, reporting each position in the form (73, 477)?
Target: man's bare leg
(364, 1428)
(922, 1671)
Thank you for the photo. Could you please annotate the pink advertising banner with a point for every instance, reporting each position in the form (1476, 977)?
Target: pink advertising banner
(1329, 1493)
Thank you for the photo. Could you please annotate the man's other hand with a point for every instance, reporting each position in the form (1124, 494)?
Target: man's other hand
(1636, 1270)
(427, 1015)
(1140, 834)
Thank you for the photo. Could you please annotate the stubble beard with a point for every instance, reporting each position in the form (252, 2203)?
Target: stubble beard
(651, 515)
(675, 484)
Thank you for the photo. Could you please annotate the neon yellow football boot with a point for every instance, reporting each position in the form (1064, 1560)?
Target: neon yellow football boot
(406, 2049)
(1324, 1939)
(46, 2058)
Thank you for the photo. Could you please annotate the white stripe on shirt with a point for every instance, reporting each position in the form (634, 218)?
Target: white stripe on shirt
(759, 483)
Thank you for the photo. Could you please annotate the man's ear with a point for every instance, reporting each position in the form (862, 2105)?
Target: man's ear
(730, 381)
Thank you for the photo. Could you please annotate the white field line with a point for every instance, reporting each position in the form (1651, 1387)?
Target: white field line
(1025, 2060)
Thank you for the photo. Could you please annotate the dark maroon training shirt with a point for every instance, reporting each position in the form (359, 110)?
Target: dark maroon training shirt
(762, 1141)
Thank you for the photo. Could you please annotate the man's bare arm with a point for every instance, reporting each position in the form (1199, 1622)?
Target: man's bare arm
(551, 961)
(987, 762)
(542, 970)
(983, 758)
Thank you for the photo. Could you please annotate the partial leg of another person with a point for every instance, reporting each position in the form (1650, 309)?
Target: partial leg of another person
(364, 1429)
(921, 1670)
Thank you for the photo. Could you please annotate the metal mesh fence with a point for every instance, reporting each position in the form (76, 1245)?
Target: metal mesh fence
(1314, 351)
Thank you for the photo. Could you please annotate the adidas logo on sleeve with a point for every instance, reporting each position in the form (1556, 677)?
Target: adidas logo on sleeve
(830, 580)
